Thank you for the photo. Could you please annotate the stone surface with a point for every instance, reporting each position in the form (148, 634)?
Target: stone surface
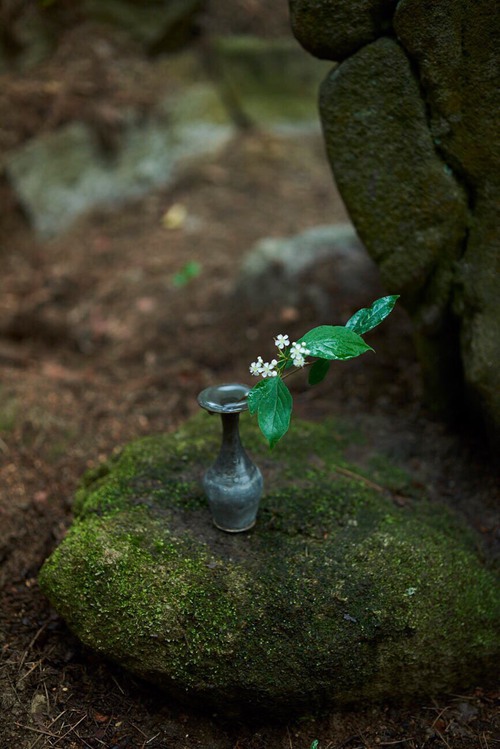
(408, 209)
(413, 143)
(455, 46)
(290, 271)
(267, 81)
(335, 29)
(338, 594)
(63, 174)
(59, 176)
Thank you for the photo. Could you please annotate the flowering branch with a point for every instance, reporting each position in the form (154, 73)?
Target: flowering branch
(270, 398)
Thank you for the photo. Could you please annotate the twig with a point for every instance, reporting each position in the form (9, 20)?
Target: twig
(117, 684)
(56, 719)
(483, 738)
(151, 739)
(442, 738)
(72, 728)
(138, 729)
(439, 715)
(82, 739)
(33, 745)
(24, 676)
(94, 738)
(35, 638)
(296, 369)
(37, 730)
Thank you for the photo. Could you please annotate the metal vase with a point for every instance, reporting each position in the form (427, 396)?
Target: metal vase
(233, 484)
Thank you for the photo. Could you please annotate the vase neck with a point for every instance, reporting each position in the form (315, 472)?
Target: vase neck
(230, 432)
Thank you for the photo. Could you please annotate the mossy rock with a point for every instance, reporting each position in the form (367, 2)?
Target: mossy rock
(338, 594)
(416, 154)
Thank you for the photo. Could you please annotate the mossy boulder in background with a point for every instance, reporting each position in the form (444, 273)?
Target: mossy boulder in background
(338, 594)
(58, 176)
(413, 143)
(250, 74)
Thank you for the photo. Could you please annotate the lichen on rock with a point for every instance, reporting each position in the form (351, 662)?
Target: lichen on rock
(339, 594)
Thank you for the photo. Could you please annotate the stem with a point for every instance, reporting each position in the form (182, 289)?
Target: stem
(283, 376)
(297, 369)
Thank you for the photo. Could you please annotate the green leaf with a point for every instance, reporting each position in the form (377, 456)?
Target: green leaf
(186, 274)
(255, 394)
(318, 371)
(368, 318)
(315, 744)
(334, 342)
(274, 408)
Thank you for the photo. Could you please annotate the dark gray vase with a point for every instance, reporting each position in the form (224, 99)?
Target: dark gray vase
(233, 484)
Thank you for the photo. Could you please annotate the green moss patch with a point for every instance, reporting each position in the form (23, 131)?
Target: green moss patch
(338, 594)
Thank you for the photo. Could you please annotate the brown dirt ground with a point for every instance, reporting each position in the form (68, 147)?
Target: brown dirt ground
(98, 346)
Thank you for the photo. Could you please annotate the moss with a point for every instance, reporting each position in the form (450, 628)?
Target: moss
(338, 594)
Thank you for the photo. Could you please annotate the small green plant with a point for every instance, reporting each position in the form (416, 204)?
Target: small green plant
(271, 399)
(187, 273)
(315, 744)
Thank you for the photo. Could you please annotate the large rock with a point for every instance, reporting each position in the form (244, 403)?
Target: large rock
(290, 271)
(338, 594)
(406, 205)
(335, 29)
(415, 151)
(60, 175)
(455, 46)
(250, 75)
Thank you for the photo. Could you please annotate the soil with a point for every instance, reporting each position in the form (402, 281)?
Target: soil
(101, 342)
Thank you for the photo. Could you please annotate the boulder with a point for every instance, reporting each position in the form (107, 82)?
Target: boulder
(415, 152)
(339, 593)
(60, 175)
(405, 203)
(335, 29)
(290, 271)
(249, 71)
(454, 46)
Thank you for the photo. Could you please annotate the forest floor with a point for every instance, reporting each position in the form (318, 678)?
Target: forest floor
(102, 341)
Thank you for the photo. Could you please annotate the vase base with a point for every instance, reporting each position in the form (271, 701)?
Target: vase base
(235, 530)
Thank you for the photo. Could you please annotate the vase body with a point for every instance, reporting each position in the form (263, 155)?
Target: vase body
(233, 484)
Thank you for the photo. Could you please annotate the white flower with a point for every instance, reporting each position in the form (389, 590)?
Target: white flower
(298, 360)
(298, 352)
(299, 348)
(282, 341)
(267, 369)
(256, 366)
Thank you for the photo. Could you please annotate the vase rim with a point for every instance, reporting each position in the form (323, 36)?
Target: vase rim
(228, 398)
